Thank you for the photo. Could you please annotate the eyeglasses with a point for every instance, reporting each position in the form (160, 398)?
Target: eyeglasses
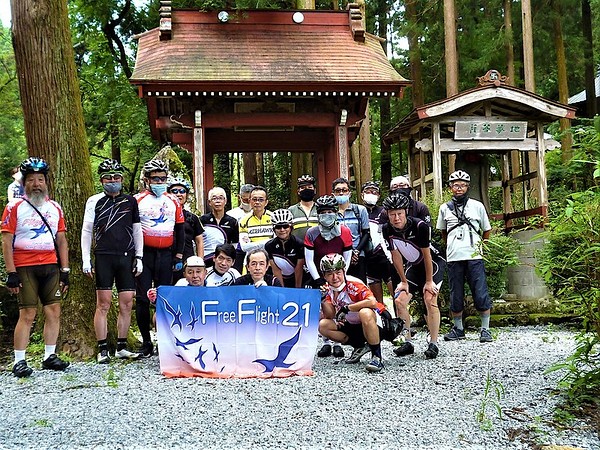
(178, 191)
(257, 199)
(113, 177)
(284, 226)
(459, 186)
(158, 179)
(341, 190)
(398, 186)
(217, 198)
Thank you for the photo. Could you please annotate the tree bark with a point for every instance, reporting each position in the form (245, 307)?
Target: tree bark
(451, 53)
(563, 87)
(509, 43)
(414, 53)
(54, 130)
(588, 53)
(528, 64)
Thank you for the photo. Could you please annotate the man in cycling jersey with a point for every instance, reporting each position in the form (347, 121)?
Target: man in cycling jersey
(222, 273)
(286, 251)
(36, 256)
(351, 313)
(111, 225)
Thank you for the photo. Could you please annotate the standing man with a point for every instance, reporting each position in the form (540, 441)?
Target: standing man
(464, 223)
(286, 251)
(356, 218)
(162, 222)
(304, 212)
(238, 213)
(219, 228)
(256, 227)
(112, 223)
(194, 243)
(419, 266)
(36, 255)
(379, 269)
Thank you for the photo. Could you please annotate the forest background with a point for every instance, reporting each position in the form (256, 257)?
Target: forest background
(114, 119)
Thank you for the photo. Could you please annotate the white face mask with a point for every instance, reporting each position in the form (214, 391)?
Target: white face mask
(245, 206)
(340, 288)
(370, 199)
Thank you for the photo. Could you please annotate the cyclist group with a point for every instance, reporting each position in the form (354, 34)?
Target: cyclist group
(346, 250)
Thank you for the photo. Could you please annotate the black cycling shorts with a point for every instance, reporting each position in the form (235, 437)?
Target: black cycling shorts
(416, 275)
(116, 269)
(379, 268)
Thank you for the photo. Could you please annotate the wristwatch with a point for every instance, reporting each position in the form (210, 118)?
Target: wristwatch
(65, 269)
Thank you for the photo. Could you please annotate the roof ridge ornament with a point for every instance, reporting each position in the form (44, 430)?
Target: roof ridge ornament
(492, 77)
(165, 20)
(357, 23)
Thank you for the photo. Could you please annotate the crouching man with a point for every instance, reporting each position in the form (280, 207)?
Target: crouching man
(351, 313)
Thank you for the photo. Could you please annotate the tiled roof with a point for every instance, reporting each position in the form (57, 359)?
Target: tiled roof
(264, 47)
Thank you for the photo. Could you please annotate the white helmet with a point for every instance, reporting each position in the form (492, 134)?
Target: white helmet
(459, 175)
(282, 216)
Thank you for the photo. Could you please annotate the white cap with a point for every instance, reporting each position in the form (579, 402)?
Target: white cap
(399, 180)
(195, 261)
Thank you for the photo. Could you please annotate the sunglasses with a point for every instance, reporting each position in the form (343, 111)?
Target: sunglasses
(178, 191)
(115, 177)
(158, 179)
(341, 191)
(282, 227)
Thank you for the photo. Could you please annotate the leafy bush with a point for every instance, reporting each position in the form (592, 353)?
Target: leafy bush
(499, 253)
(569, 264)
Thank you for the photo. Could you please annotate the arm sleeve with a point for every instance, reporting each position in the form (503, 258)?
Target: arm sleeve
(309, 259)
(86, 243)
(138, 239)
(179, 237)
(249, 246)
(347, 255)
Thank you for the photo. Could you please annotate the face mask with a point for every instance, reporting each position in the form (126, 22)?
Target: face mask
(327, 220)
(245, 206)
(341, 199)
(370, 199)
(113, 187)
(403, 191)
(460, 199)
(307, 195)
(158, 189)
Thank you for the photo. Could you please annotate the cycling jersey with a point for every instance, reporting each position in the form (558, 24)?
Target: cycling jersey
(286, 254)
(112, 219)
(255, 232)
(216, 233)
(301, 221)
(158, 216)
(321, 247)
(33, 243)
(193, 228)
(214, 278)
(354, 292)
(247, 280)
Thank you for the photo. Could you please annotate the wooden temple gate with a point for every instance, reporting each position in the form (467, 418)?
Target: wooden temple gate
(261, 81)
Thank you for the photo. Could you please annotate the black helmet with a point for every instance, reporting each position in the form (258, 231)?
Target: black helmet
(326, 202)
(306, 180)
(155, 165)
(110, 166)
(396, 201)
(370, 184)
(34, 165)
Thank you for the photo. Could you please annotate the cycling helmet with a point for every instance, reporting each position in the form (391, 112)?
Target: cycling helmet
(326, 202)
(34, 165)
(178, 181)
(332, 262)
(370, 184)
(155, 165)
(281, 216)
(396, 201)
(459, 175)
(306, 180)
(110, 166)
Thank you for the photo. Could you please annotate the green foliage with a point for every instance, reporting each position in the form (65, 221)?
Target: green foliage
(493, 392)
(569, 265)
(499, 253)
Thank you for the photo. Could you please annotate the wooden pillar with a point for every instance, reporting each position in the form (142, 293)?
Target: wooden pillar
(341, 146)
(541, 169)
(507, 201)
(199, 162)
(437, 162)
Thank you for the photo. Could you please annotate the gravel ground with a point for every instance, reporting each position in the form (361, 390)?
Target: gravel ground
(413, 403)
